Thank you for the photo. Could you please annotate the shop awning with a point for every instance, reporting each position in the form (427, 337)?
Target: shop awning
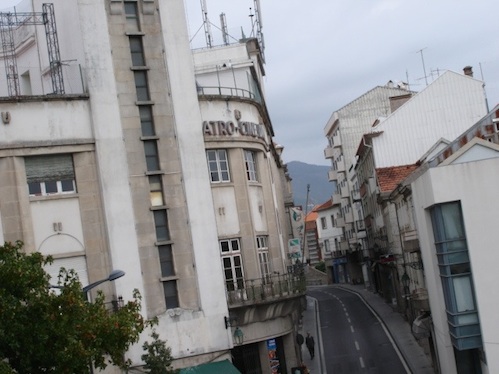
(218, 367)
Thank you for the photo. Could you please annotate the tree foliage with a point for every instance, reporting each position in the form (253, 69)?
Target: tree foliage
(42, 331)
(158, 359)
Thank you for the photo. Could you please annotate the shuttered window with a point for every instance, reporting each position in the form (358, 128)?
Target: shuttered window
(50, 174)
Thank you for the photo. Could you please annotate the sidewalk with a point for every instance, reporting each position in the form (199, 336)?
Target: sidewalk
(398, 328)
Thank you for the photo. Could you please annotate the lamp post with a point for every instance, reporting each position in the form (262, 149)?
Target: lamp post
(115, 274)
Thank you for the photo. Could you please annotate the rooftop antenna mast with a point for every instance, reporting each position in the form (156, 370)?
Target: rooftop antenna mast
(424, 69)
(225, 33)
(259, 26)
(206, 24)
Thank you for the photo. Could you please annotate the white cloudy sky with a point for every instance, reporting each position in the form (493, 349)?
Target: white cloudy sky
(322, 54)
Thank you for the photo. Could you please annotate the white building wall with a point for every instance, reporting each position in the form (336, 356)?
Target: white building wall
(474, 185)
(444, 109)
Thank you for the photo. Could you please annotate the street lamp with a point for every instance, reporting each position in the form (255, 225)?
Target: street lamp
(115, 274)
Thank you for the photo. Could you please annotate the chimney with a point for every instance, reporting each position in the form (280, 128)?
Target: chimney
(468, 70)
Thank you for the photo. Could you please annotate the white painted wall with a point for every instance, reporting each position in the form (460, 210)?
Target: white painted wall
(474, 184)
(445, 109)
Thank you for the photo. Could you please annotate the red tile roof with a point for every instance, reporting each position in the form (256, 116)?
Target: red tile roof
(390, 177)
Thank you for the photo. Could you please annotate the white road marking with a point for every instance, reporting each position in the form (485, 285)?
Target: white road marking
(361, 363)
(351, 328)
(357, 345)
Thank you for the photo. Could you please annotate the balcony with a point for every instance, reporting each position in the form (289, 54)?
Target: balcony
(329, 152)
(228, 92)
(349, 217)
(345, 191)
(264, 290)
(344, 245)
(340, 221)
(336, 141)
(360, 225)
(356, 195)
(332, 175)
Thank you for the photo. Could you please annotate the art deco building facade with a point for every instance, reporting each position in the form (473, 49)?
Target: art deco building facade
(115, 154)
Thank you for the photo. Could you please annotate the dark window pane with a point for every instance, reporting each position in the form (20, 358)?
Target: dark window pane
(34, 188)
(166, 260)
(146, 120)
(67, 185)
(151, 152)
(137, 51)
(51, 187)
(141, 85)
(171, 294)
(161, 224)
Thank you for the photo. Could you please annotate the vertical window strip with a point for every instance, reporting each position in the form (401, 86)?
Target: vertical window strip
(141, 85)
(137, 51)
(132, 16)
(151, 153)
(146, 120)
(161, 224)
(170, 292)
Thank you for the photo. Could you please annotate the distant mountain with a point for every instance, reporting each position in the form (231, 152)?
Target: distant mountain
(314, 175)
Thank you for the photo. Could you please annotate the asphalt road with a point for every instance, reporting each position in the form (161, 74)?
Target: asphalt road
(353, 338)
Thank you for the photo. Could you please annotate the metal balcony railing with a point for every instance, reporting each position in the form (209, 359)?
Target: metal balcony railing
(272, 288)
(228, 91)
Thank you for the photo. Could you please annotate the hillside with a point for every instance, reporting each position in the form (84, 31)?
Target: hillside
(314, 175)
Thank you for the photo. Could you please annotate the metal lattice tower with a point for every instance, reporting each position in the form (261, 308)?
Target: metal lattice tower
(7, 23)
(206, 23)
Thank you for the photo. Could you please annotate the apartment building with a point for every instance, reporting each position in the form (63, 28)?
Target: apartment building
(117, 154)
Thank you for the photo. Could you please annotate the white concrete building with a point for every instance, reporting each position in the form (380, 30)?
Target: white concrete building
(454, 202)
(103, 165)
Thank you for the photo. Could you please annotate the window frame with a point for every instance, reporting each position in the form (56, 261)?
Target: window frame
(230, 250)
(250, 163)
(218, 167)
(50, 182)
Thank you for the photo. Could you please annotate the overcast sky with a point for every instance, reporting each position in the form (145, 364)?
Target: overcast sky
(322, 54)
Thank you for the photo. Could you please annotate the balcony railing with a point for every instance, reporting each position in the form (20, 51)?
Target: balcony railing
(228, 91)
(272, 288)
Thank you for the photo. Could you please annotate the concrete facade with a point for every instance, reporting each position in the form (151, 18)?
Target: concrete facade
(136, 194)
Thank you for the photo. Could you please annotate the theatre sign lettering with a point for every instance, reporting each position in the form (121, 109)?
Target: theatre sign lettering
(230, 128)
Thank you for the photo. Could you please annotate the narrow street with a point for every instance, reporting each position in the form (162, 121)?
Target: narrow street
(353, 338)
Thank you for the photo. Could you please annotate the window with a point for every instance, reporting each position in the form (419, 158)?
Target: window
(146, 120)
(161, 224)
(151, 151)
(323, 223)
(140, 77)
(132, 16)
(50, 174)
(232, 264)
(137, 51)
(171, 294)
(218, 165)
(166, 260)
(156, 190)
(250, 162)
(456, 276)
(327, 246)
(332, 221)
(263, 256)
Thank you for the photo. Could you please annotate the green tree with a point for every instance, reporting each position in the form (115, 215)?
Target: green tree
(42, 331)
(158, 358)
(321, 266)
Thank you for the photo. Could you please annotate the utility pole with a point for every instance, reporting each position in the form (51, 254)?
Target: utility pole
(305, 228)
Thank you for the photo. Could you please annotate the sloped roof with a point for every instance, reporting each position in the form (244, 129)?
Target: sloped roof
(390, 177)
(324, 206)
